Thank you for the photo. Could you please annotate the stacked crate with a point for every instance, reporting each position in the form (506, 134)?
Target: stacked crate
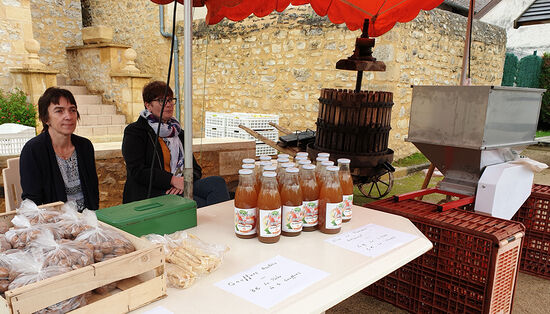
(13, 137)
(535, 216)
(227, 125)
(472, 267)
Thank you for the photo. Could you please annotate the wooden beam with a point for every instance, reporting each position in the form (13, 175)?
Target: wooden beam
(269, 142)
(280, 128)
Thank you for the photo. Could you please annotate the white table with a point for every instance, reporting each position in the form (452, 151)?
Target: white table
(349, 271)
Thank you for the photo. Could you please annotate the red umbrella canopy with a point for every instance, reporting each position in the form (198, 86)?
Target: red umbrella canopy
(382, 14)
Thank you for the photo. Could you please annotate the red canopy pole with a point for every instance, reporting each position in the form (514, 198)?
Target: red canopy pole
(465, 75)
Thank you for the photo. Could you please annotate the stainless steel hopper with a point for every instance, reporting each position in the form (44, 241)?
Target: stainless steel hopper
(463, 129)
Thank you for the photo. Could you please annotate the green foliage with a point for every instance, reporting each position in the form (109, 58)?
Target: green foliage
(544, 79)
(542, 133)
(529, 71)
(510, 69)
(414, 159)
(14, 108)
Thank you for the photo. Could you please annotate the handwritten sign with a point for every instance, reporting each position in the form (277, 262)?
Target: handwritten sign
(371, 240)
(271, 282)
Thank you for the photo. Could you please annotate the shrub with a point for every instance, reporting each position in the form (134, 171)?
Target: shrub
(14, 108)
(529, 71)
(544, 80)
(510, 69)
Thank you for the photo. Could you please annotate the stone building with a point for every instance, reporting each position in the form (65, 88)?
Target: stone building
(276, 64)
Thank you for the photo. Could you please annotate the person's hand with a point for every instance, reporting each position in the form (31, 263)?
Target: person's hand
(174, 191)
(177, 182)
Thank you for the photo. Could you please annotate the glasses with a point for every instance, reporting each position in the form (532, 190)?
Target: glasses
(168, 100)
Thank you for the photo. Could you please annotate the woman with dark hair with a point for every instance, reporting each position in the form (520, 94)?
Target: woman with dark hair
(167, 168)
(58, 165)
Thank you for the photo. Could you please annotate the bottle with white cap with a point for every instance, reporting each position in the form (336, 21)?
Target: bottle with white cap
(298, 158)
(268, 223)
(330, 202)
(282, 172)
(324, 155)
(305, 154)
(303, 162)
(246, 198)
(323, 171)
(287, 156)
(291, 199)
(265, 158)
(249, 161)
(346, 181)
(255, 174)
(310, 192)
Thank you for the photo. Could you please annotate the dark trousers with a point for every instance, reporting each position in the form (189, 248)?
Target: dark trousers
(209, 191)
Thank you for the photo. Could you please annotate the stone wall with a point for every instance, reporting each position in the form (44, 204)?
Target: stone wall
(136, 24)
(15, 28)
(56, 25)
(279, 63)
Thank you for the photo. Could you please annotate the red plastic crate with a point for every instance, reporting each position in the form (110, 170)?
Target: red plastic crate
(472, 267)
(535, 215)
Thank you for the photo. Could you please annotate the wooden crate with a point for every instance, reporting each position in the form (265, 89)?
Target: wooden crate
(140, 275)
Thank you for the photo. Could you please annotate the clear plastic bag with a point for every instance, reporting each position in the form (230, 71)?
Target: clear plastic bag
(31, 269)
(4, 243)
(63, 252)
(107, 243)
(188, 257)
(37, 215)
(22, 233)
(72, 223)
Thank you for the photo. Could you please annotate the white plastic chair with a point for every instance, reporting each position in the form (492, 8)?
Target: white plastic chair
(12, 184)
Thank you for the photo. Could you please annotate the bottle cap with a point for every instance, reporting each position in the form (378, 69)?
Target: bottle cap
(304, 162)
(287, 165)
(270, 168)
(327, 155)
(280, 156)
(248, 166)
(264, 163)
(245, 171)
(327, 163)
(282, 160)
(300, 157)
(321, 159)
(269, 174)
(292, 170)
(333, 168)
(343, 161)
(308, 167)
(248, 161)
(265, 158)
(302, 154)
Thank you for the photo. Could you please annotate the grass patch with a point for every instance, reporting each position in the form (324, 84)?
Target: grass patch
(414, 159)
(406, 184)
(541, 133)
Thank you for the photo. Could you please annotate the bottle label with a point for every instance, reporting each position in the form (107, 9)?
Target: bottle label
(270, 222)
(292, 218)
(348, 202)
(334, 215)
(245, 221)
(311, 213)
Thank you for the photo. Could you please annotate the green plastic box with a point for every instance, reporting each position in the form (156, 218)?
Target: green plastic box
(161, 215)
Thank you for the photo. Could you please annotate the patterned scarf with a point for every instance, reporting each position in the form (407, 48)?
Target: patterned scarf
(169, 132)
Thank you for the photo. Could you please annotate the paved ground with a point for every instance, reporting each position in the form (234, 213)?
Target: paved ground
(532, 294)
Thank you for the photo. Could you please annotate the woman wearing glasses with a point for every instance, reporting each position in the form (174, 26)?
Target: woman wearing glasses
(168, 165)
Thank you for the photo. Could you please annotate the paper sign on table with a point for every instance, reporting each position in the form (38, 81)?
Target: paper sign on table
(371, 240)
(271, 282)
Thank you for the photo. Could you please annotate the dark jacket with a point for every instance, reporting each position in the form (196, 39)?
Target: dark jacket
(41, 178)
(137, 150)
